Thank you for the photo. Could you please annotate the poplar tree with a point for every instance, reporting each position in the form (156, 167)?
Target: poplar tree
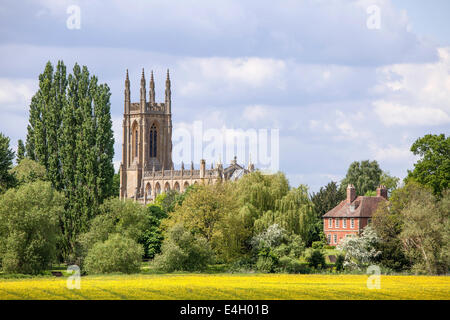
(70, 133)
(20, 151)
(6, 158)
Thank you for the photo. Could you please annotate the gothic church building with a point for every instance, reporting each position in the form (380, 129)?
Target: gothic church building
(147, 168)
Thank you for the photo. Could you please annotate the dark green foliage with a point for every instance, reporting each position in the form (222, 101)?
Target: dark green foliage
(433, 167)
(116, 254)
(183, 251)
(115, 189)
(6, 157)
(70, 134)
(364, 175)
(339, 264)
(316, 259)
(152, 237)
(20, 151)
(327, 198)
(29, 227)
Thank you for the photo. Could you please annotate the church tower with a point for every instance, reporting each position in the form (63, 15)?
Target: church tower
(147, 137)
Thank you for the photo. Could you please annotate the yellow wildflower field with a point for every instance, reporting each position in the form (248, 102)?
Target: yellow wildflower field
(228, 286)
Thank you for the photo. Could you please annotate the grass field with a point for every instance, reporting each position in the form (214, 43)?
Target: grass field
(226, 286)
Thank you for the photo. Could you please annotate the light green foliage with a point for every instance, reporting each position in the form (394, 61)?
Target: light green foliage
(364, 175)
(433, 167)
(28, 171)
(183, 251)
(294, 212)
(390, 182)
(425, 233)
(127, 218)
(6, 157)
(117, 254)
(29, 217)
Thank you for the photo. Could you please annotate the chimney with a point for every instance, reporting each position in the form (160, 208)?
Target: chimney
(382, 191)
(351, 193)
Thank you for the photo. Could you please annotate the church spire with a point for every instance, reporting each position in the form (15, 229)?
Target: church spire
(168, 93)
(152, 89)
(127, 93)
(143, 94)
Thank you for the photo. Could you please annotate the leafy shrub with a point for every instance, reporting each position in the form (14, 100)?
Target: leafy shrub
(117, 254)
(315, 259)
(339, 264)
(267, 260)
(317, 245)
(29, 227)
(183, 251)
(291, 265)
(127, 218)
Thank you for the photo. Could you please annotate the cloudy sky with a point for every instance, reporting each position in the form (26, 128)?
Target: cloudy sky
(337, 88)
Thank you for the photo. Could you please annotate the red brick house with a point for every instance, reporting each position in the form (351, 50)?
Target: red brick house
(351, 215)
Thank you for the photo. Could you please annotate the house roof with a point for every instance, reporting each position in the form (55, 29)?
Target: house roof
(362, 206)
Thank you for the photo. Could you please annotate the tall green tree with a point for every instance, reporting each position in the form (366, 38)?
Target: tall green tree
(20, 151)
(364, 175)
(327, 198)
(6, 158)
(433, 167)
(70, 134)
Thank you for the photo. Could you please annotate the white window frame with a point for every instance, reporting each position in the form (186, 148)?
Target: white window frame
(336, 223)
(352, 223)
(335, 238)
(344, 223)
(329, 239)
(330, 223)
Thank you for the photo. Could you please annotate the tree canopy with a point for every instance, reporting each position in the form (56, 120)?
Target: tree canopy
(433, 167)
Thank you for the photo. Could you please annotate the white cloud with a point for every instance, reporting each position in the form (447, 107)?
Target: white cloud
(395, 114)
(16, 93)
(256, 113)
(218, 74)
(415, 94)
(392, 153)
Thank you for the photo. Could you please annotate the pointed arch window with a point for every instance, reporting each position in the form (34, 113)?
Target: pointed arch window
(136, 143)
(153, 142)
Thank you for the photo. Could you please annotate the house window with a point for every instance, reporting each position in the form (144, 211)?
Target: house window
(330, 223)
(336, 223)
(369, 221)
(352, 223)
(329, 239)
(344, 223)
(335, 238)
